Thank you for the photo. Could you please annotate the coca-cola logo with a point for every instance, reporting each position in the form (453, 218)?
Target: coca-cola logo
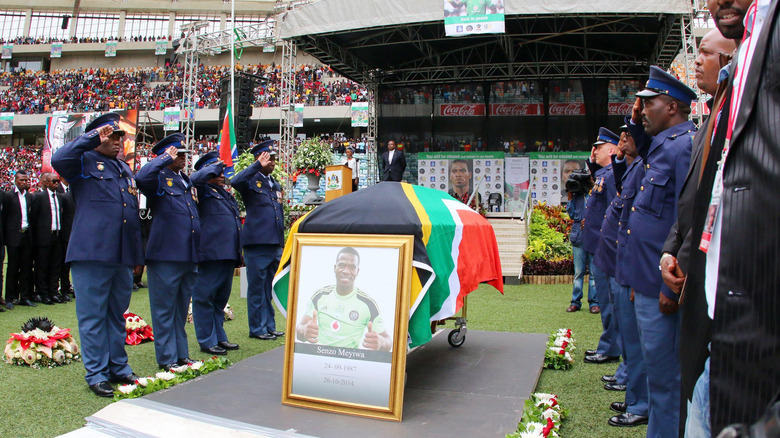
(620, 109)
(503, 109)
(463, 110)
(567, 109)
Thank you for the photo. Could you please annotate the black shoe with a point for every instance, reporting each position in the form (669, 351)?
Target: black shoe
(102, 389)
(228, 345)
(135, 288)
(141, 285)
(609, 378)
(214, 350)
(65, 298)
(618, 407)
(614, 387)
(27, 303)
(37, 298)
(600, 358)
(9, 305)
(47, 301)
(264, 337)
(57, 299)
(591, 352)
(2, 309)
(168, 366)
(125, 380)
(627, 419)
(277, 334)
(185, 361)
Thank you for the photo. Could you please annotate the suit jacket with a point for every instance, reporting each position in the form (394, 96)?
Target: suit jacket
(68, 213)
(393, 171)
(40, 217)
(106, 227)
(745, 341)
(12, 217)
(264, 224)
(175, 232)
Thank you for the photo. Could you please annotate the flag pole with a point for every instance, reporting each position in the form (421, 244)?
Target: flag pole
(232, 61)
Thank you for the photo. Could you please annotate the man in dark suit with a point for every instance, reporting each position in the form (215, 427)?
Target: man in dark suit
(2, 255)
(68, 213)
(393, 163)
(172, 249)
(676, 251)
(739, 274)
(262, 237)
(16, 223)
(105, 248)
(46, 223)
(219, 254)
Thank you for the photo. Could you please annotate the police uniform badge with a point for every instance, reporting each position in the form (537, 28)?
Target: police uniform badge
(100, 166)
(599, 186)
(169, 182)
(131, 188)
(259, 184)
(194, 192)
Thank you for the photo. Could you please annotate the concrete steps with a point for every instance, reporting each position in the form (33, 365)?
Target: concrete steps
(512, 240)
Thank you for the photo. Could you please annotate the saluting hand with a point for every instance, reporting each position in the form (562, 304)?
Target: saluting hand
(105, 132)
(264, 158)
(172, 151)
(636, 111)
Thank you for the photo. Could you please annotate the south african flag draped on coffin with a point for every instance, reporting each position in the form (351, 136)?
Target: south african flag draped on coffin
(455, 248)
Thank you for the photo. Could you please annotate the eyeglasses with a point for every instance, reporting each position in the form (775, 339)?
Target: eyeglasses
(55, 181)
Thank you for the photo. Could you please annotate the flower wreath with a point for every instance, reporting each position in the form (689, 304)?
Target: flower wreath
(41, 344)
(137, 329)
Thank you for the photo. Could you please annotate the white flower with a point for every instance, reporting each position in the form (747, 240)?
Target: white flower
(143, 381)
(534, 428)
(127, 389)
(560, 340)
(552, 414)
(196, 365)
(533, 434)
(164, 375)
(545, 399)
(567, 357)
(180, 369)
(59, 356)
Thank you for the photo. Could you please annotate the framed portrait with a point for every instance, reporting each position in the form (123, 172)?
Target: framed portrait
(347, 323)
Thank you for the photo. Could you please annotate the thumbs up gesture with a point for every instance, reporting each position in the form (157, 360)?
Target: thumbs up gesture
(371, 339)
(311, 331)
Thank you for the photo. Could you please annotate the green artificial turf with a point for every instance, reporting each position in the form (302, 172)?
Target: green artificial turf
(50, 402)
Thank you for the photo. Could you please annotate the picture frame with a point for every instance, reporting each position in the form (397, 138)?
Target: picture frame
(348, 316)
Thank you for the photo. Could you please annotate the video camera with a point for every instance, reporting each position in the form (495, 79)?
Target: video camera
(579, 182)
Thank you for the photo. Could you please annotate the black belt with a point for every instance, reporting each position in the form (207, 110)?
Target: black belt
(24, 230)
(55, 233)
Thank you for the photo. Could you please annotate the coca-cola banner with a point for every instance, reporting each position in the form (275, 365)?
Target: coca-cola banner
(567, 109)
(461, 109)
(620, 108)
(516, 109)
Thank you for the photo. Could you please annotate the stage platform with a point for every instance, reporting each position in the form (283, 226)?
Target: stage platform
(477, 390)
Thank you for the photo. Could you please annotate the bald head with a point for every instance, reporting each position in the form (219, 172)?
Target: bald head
(707, 63)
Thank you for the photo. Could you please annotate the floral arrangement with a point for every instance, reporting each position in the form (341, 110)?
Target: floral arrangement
(548, 251)
(542, 416)
(560, 350)
(165, 379)
(137, 329)
(41, 344)
(311, 157)
(229, 314)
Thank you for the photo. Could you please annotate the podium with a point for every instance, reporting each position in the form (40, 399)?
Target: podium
(338, 181)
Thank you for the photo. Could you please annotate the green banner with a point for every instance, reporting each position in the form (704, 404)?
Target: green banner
(469, 17)
(459, 155)
(160, 47)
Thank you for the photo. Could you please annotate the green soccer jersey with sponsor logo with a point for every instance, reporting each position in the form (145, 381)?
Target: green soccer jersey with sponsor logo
(476, 7)
(343, 319)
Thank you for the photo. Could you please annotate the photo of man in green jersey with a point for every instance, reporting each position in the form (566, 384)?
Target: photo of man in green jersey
(342, 315)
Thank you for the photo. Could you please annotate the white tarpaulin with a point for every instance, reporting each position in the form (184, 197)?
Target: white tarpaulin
(336, 15)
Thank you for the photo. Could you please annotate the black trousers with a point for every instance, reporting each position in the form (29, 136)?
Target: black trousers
(48, 266)
(18, 276)
(64, 270)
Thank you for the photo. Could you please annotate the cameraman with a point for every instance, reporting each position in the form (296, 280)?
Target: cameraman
(578, 186)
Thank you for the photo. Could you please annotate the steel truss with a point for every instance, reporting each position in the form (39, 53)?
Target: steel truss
(287, 113)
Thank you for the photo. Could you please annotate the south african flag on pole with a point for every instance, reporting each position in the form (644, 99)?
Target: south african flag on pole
(455, 248)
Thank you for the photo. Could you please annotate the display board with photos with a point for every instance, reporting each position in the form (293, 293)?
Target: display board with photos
(461, 173)
(549, 172)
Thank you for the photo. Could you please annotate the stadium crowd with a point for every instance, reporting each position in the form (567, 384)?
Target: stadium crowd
(88, 90)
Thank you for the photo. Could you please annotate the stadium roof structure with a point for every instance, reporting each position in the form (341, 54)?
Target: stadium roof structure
(402, 42)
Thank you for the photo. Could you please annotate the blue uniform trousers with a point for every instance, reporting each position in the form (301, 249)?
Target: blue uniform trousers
(211, 294)
(170, 290)
(659, 334)
(104, 291)
(608, 343)
(633, 358)
(582, 259)
(261, 264)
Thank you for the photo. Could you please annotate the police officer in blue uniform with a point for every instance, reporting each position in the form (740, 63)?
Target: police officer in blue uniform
(219, 254)
(601, 195)
(665, 147)
(629, 170)
(104, 249)
(262, 237)
(172, 248)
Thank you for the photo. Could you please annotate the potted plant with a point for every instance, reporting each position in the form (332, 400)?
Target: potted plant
(310, 159)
